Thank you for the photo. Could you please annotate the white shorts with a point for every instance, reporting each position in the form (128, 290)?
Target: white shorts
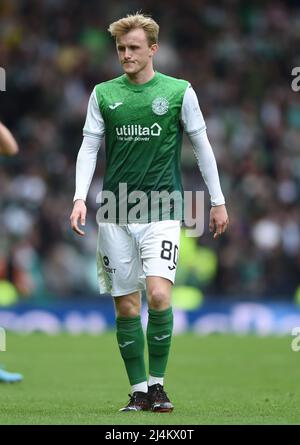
(127, 254)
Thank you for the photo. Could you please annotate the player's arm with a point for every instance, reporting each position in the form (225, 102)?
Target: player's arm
(194, 125)
(85, 167)
(93, 133)
(8, 144)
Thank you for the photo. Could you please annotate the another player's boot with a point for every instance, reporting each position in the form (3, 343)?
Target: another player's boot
(158, 399)
(9, 377)
(138, 402)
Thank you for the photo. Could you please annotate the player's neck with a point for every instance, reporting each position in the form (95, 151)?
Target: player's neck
(141, 77)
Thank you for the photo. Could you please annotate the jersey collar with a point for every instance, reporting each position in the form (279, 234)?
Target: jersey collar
(140, 86)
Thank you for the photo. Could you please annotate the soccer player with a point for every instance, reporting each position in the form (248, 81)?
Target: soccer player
(142, 115)
(8, 146)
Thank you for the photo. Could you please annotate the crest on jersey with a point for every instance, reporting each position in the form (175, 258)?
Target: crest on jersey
(160, 106)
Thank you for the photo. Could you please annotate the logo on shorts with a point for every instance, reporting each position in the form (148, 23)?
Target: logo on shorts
(160, 106)
(105, 260)
(107, 269)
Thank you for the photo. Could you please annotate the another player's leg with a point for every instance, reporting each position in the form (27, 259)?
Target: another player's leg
(159, 335)
(131, 344)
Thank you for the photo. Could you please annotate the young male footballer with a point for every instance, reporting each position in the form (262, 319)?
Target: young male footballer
(142, 115)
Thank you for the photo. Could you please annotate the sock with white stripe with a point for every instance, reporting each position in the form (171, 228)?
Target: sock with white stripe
(131, 342)
(159, 335)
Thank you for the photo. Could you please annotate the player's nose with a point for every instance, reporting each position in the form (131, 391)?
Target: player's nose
(127, 54)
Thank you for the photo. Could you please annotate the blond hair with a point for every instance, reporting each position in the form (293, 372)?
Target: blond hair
(135, 21)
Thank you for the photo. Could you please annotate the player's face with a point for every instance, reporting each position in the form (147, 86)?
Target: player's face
(134, 51)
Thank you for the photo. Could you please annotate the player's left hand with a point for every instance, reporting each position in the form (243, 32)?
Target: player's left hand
(218, 220)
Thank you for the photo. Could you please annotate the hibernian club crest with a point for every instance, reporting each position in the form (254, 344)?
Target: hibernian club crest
(160, 106)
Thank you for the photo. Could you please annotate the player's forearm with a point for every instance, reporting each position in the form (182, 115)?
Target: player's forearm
(8, 144)
(208, 166)
(85, 166)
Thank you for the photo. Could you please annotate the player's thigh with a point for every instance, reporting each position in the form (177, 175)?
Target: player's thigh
(118, 259)
(159, 248)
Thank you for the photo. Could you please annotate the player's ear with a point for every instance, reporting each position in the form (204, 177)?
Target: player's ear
(154, 48)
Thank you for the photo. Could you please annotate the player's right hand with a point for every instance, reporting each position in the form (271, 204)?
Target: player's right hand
(78, 214)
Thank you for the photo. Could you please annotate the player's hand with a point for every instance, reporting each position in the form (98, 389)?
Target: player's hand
(78, 214)
(218, 220)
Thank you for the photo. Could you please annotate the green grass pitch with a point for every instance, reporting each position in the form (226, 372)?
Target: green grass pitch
(216, 379)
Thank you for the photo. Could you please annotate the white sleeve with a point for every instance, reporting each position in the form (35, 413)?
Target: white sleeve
(194, 126)
(191, 116)
(93, 133)
(208, 166)
(85, 165)
(94, 124)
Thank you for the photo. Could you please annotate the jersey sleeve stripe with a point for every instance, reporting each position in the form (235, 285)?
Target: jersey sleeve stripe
(94, 135)
(198, 131)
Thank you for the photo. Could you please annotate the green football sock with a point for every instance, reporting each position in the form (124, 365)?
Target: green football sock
(131, 344)
(159, 335)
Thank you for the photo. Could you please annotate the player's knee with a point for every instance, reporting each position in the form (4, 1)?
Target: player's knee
(158, 299)
(126, 307)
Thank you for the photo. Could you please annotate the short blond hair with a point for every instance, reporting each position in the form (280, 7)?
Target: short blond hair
(135, 21)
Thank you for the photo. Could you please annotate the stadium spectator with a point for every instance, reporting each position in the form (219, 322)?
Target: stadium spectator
(237, 55)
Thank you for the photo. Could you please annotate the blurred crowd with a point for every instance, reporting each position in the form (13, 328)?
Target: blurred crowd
(237, 55)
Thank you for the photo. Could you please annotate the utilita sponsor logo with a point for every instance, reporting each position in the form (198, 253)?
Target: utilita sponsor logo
(137, 132)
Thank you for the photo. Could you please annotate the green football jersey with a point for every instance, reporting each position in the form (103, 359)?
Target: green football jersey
(143, 137)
